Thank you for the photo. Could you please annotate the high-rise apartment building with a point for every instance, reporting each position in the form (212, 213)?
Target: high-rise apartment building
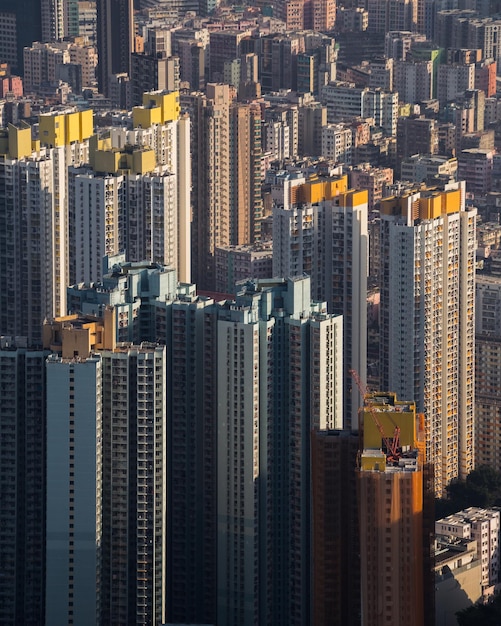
(224, 46)
(73, 510)
(382, 73)
(152, 72)
(133, 523)
(149, 305)
(277, 59)
(280, 131)
(311, 119)
(115, 42)
(134, 200)
(20, 26)
(328, 240)
(425, 168)
(340, 278)
(487, 371)
(192, 460)
(140, 294)
(55, 14)
(107, 476)
(414, 80)
(22, 483)
(337, 143)
(453, 80)
(373, 179)
(210, 178)
(34, 193)
(237, 263)
(485, 77)
(345, 101)
(395, 515)
(246, 382)
(416, 135)
(245, 174)
(396, 15)
(475, 167)
(226, 177)
(397, 44)
(427, 318)
(42, 64)
(87, 20)
(336, 539)
(320, 15)
(279, 363)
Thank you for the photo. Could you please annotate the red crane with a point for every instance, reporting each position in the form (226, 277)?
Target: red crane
(392, 446)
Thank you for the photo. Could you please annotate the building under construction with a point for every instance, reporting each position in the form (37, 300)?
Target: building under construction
(396, 515)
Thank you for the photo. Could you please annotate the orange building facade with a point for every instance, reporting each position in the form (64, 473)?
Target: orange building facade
(394, 515)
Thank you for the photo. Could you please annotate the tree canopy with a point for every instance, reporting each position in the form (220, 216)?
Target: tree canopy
(481, 614)
(481, 488)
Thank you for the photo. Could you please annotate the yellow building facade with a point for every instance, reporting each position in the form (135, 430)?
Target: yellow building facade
(393, 516)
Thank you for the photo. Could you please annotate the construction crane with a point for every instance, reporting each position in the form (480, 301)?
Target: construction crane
(393, 453)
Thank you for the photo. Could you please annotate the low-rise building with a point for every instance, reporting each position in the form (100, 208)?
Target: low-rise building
(457, 578)
(425, 167)
(482, 525)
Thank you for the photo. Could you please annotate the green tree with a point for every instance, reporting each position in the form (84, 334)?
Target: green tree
(481, 614)
(481, 488)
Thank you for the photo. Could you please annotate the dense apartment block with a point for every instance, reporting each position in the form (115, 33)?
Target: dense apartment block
(483, 526)
(85, 198)
(311, 119)
(226, 176)
(219, 359)
(115, 44)
(344, 101)
(237, 263)
(107, 476)
(33, 192)
(487, 371)
(485, 77)
(425, 168)
(414, 80)
(336, 540)
(22, 482)
(21, 25)
(373, 179)
(279, 360)
(139, 293)
(416, 135)
(400, 15)
(153, 72)
(475, 167)
(453, 80)
(397, 43)
(337, 143)
(427, 321)
(395, 515)
(43, 63)
(134, 195)
(225, 45)
(324, 234)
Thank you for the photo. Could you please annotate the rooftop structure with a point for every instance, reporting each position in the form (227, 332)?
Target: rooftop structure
(483, 525)
(393, 514)
(426, 317)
